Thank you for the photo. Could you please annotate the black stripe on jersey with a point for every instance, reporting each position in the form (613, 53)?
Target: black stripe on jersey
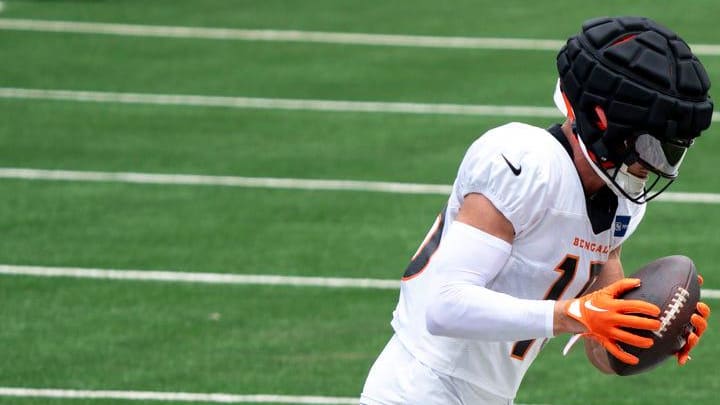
(422, 258)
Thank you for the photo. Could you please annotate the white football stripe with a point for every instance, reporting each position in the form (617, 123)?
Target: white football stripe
(425, 41)
(217, 278)
(276, 183)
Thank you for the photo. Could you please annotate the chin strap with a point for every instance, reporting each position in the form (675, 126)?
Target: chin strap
(609, 178)
(633, 185)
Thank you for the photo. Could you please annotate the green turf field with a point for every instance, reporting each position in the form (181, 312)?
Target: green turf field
(85, 334)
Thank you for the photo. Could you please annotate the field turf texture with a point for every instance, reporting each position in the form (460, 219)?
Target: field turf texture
(284, 340)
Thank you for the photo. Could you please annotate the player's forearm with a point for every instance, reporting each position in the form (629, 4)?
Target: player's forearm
(461, 306)
(473, 312)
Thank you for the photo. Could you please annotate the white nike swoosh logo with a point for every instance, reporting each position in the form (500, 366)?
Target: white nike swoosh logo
(589, 305)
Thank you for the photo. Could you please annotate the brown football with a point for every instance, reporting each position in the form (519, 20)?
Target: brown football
(671, 283)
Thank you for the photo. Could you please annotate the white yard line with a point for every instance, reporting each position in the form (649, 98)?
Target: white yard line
(202, 278)
(177, 396)
(425, 41)
(218, 278)
(279, 35)
(173, 396)
(278, 104)
(283, 104)
(225, 181)
(706, 198)
(276, 183)
(707, 293)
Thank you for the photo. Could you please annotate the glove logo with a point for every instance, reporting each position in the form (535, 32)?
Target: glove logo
(589, 305)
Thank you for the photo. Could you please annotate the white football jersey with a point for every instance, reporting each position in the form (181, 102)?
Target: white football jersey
(531, 179)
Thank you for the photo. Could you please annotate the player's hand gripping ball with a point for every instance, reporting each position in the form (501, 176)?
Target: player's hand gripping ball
(672, 284)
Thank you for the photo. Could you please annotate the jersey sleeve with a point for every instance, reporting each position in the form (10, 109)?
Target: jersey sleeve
(513, 178)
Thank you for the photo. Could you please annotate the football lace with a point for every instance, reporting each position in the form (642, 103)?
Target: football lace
(676, 304)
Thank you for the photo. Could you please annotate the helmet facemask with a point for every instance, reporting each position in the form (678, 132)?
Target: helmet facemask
(611, 156)
(642, 149)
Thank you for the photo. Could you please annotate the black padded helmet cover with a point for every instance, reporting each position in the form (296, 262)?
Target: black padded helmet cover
(642, 75)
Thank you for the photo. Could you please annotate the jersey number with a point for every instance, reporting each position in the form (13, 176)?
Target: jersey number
(567, 269)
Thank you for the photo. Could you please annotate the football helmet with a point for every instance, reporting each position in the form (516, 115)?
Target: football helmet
(636, 93)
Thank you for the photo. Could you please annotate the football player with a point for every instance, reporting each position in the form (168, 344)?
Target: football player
(528, 245)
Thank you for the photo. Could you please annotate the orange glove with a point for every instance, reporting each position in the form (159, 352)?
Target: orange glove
(603, 314)
(699, 323)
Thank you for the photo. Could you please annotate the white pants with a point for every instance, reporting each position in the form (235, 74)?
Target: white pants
(397, 378)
